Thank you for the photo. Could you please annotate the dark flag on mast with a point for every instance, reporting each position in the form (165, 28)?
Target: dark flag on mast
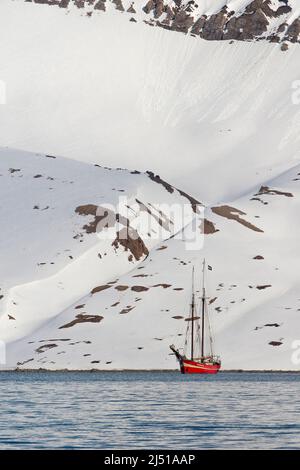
(209, 267)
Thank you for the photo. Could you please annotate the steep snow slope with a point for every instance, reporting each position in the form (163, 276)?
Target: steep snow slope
(211, 117)
(110, 312)
(218, 119)
(56, 245)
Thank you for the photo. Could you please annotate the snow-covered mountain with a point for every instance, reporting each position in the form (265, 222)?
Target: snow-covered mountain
(94, 82)
(106, 90)
(62, 230)
(274, 20)
(73, 298)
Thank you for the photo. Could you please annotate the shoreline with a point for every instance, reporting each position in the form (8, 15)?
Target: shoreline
(150, 371)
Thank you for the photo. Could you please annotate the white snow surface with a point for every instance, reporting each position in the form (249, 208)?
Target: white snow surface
(256, 311)
(215, 119)
(210, 117)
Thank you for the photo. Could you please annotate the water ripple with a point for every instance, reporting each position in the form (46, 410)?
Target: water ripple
(149, 410)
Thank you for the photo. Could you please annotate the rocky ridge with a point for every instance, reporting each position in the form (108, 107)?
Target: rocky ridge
(272, 20)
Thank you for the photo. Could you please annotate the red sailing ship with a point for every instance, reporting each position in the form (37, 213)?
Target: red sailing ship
(199, 340)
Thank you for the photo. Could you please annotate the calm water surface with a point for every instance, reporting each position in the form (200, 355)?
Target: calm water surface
(162, 410)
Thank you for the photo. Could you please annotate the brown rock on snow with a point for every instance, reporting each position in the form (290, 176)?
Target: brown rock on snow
(232, 213)
(121, 288)
(45, 347)
(165, 286)
(275, 343)
(100, 289)
(126, 310)
(131, 241)
(266, 190)
(207, 227)
(139, 288)
(81, 318)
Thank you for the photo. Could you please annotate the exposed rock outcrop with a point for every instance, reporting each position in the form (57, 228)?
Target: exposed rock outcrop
(254, 21)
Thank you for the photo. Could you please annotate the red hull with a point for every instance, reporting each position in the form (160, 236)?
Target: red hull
(192, 367)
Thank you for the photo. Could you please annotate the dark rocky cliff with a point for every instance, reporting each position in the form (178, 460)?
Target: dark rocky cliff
(258, 20)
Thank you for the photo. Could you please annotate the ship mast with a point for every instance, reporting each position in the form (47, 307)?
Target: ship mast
(193, 310)
(203, 311)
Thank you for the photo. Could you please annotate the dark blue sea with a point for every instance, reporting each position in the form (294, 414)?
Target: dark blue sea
(143, 410)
